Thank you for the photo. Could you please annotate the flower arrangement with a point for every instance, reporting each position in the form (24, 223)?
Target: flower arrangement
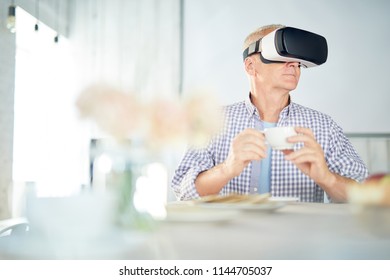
(160, 123)
(155, 124)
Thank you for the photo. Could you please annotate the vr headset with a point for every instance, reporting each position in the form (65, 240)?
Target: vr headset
(290, 44)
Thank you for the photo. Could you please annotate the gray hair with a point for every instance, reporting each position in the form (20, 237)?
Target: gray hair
(260, 33)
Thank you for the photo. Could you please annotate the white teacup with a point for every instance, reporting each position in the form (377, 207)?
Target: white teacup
(277, 137)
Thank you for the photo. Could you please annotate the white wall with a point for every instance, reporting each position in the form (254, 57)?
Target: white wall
(352, 86)
(130, 44)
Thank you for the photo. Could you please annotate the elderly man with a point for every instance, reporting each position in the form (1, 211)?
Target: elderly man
(239, 161)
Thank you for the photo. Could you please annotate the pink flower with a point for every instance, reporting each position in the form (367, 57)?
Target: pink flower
(114, 111)
(160, 123)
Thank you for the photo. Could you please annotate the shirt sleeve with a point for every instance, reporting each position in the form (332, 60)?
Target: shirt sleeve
(342, 157)
(194, 162)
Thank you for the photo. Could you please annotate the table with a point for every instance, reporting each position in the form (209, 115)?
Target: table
(296, 231)
(301, 231)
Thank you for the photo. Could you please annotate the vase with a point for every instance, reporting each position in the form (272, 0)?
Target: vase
(116, 169)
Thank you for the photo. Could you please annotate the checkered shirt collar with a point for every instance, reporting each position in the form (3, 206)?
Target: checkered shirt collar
(252, 110)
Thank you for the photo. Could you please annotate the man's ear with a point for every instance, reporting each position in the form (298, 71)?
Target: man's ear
(249, 64)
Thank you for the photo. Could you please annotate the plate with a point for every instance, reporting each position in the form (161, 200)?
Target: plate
(267, 206)
(284, 198)
(197, 214)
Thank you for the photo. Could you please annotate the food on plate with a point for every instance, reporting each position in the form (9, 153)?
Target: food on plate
(236, 198)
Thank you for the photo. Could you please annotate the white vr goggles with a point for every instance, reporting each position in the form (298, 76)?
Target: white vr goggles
(290, 44)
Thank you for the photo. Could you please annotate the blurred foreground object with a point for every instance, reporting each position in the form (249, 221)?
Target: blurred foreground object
(375, 190)
(370, 202)
(139, 132)
(159, 123)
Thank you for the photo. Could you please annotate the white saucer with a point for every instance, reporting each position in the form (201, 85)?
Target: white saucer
(284, 198)
(196, 214)
(266, 207)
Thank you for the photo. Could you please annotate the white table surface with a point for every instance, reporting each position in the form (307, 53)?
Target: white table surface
(295, 231)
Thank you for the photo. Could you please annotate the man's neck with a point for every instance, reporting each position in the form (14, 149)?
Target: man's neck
(270, 105)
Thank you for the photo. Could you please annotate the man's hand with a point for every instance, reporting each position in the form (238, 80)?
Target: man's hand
(248, 145)
(310, 159)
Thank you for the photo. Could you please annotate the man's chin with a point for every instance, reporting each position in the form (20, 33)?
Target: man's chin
(291, 87)
(291, 83)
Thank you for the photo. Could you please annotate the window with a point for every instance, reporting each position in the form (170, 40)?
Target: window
(50, 143)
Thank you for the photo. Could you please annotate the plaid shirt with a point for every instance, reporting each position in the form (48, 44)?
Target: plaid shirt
(286, 178)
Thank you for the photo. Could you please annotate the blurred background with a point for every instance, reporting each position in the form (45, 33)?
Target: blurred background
(52, 49)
